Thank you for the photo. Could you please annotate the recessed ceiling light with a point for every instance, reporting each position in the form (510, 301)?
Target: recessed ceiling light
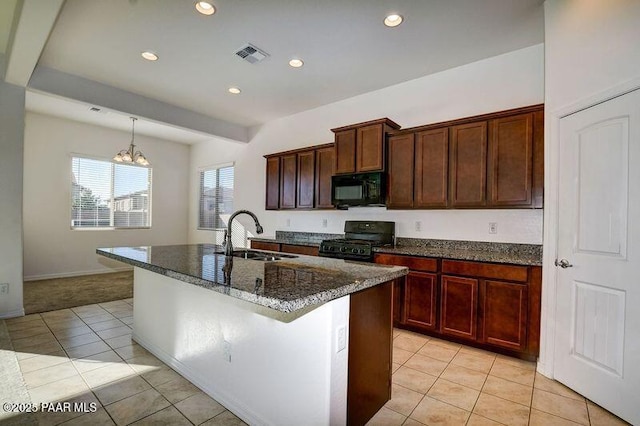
(296, 63)
(235, 90)
(393, 20)
(205, 8)
(149, 56)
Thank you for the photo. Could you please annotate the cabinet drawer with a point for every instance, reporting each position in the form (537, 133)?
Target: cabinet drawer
(261, 245)
(295, 249)
(486, 270)
(425, 264)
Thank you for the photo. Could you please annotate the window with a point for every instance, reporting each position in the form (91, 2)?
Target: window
(216, 197)
(109, 195)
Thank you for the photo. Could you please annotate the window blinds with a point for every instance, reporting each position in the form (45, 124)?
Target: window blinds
(216, 197)
(108, 195)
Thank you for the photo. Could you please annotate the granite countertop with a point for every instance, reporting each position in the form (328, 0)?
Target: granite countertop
(287, 285)
(481, 251)
(515, 254)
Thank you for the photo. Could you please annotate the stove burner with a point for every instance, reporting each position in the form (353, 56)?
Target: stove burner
(362, 236)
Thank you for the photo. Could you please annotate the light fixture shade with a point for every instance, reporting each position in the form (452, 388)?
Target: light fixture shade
(131, 155)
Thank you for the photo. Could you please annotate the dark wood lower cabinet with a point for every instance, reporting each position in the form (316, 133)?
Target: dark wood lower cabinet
(296, 249)
(263, 245)
(489, 305)
(420, 300)
(459, 306)
(504, 314)
(285, 248)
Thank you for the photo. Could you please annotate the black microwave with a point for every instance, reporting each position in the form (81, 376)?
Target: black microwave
(362, 189)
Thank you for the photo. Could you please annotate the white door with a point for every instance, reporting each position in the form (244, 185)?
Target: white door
(597, 346)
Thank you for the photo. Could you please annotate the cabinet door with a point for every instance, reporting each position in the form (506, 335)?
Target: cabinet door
(420, 300)
(262, 245)
(324, 171)
(458, 310)
(510, 161)
(288, 167)
(273, 184)
(467, 185)
(537, 197)
(370, 148)
(431, 184)
(346, 151)
(295, 249)
(306, 177)
(400, 187)
(503, 314)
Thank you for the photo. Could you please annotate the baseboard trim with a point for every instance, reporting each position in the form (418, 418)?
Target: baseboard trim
(76, 274)
(13, 314)
(243, 412)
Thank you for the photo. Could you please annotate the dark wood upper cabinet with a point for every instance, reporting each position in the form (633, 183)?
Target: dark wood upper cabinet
(492, 160)
(345, 151)
(300, 178)
(272, 201)
(510, 161)
(458, 307)
(361, 147)
(370, 148)
(537, 197)
(288, 175)
(324, 171)
(503, 314)
(468, 165)
(306, 179)
(401, 170)
(431, 177)
(420, 300)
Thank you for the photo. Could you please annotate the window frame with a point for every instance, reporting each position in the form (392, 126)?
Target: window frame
(73, 155)
(200, 171)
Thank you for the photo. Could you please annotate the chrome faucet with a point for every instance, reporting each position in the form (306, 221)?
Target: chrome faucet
(228, 251)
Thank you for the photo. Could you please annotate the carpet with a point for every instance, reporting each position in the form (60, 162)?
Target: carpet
(60, 293)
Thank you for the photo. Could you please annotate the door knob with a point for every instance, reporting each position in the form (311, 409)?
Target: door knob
(563, 263)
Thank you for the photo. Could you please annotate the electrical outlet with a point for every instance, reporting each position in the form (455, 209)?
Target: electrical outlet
(324, 223)
(493, 227)
(226, 350)
(341, 339)
(4, 288)
(418, 226)
(288, 223)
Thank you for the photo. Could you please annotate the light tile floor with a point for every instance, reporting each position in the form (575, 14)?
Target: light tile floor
(86, 354)
(436, 382)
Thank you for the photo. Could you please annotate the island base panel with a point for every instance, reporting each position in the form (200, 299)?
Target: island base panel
(279, 373)
(370, 348)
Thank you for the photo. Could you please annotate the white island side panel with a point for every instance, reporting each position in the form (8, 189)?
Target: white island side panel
(280, 373)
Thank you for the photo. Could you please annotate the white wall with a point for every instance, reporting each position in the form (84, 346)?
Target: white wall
(506, 81)
(591, 54)
(11, 143)
(590, 46)
(51, 248)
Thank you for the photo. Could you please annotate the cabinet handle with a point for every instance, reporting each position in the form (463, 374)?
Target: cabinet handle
(563, 263)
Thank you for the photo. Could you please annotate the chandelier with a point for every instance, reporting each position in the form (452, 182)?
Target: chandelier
(131, 155)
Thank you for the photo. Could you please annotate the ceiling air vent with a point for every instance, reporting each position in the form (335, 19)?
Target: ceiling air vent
(251, 53)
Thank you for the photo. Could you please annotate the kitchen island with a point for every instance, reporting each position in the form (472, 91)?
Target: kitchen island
(284, 340)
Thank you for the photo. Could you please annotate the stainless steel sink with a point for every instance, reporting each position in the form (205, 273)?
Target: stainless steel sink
(259, 255)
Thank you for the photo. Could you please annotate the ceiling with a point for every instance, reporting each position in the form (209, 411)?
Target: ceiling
(346, 49)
